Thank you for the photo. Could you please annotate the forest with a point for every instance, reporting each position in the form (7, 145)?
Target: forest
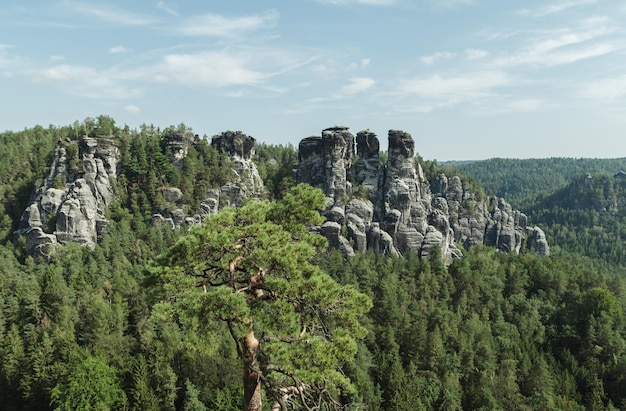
(251, 311)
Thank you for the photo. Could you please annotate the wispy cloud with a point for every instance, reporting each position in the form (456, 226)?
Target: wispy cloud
(361, 64)
(357, 85)
(521, 105)
(118, 50)
(469, 85)
(164, 7)
(208, 69)
(605, 90)
(110, 14)
(364, 2)
(555, 8)
(7, 61)
(87, 82)
(562, 47)
(450, 4)
(437, 56)
(215, 25)
(476, 54)
(213, 69)
(427, 93)
(132, 109)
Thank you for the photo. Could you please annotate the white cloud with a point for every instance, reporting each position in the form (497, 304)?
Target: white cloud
(132, 109)
(476, 54)
(463, 86)
(164, 7)
(7, 61)
(450, 4)
(561, 47)
(118, 50)
(555, 8)
(215, 25)
(364, 2)
(427, 93)
(215, 69)
(437, 56)
(57, 57)
(87, 81)
(357, 85)
(110, 14)
(607, 89)
(522, 105)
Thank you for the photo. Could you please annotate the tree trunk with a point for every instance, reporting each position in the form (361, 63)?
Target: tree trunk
(251, 377)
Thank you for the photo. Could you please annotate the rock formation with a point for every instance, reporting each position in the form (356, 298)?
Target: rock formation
(388, 208)
(70, 208)
(393, 209)
(245, 183)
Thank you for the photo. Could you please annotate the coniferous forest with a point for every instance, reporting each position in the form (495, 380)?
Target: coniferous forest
(250, 308)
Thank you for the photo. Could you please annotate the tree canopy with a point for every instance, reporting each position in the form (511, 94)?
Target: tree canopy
(251, 268)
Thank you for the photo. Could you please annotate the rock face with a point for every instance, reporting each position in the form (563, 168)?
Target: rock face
(177, 144)
(70, 208)
(392, 209)
(388, 208)
(245, 182)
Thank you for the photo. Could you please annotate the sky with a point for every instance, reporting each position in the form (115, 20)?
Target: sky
(468, 79)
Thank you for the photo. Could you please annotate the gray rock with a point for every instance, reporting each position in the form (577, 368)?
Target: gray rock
(177, 144)
(332, 232)
(240, 148)
(392, 209)
(537, 242)
(172, 194)
(75, 212)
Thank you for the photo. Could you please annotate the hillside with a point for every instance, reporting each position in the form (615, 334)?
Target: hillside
(521, 180)
(190, 286)
(587, 217)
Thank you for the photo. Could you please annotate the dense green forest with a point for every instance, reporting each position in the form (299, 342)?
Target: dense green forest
(520, 181)
(579, 203)
(154, 318)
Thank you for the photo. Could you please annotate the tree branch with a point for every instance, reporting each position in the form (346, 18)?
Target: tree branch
(232, 334)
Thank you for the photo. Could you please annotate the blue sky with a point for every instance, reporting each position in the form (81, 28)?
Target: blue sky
(469, 79)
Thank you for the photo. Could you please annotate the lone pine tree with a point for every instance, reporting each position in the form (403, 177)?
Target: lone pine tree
(293, 326)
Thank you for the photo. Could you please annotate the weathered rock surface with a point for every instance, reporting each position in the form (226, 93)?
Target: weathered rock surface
(245, 182)
(177, 144)
(393, 209)
(70, 208)
(388, 208)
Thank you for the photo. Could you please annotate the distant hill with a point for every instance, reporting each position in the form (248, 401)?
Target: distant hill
(519, 181)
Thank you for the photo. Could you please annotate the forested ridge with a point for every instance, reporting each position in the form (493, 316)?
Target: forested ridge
(157, 318)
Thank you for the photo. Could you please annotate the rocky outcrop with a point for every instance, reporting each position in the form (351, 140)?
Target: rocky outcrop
(245, 182)
(177, 144)
(388, 208)
(392, 208)
(70, 208)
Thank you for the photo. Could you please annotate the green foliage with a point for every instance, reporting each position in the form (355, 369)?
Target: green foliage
(250, 267)
(520, 181)
(276, 167)
(101, 329)
(92, 385)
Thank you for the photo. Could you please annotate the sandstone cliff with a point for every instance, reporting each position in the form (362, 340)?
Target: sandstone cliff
(389, 208)
(69, 205)
(392, 209)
